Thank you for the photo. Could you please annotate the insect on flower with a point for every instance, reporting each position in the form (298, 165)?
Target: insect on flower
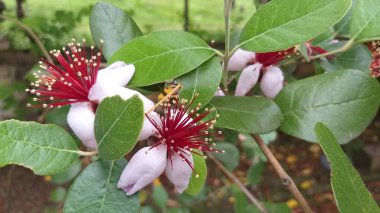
(78, 82)
(180, 132)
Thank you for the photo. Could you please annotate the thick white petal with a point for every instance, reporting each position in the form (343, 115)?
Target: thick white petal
(117, 74)
(272, 82)
(81, 120)
(248, 79)
(179, 172)
(146, 165)
(240, 59)
(100, 91)
(148, 129)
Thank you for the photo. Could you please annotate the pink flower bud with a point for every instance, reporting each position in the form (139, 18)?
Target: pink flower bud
(240, 59)
(272, 82)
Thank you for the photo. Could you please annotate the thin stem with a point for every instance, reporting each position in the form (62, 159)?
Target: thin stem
(242, 187)
(32, 34)
(84, 153)
(227, 11)
(164, 99)
(347, 46)
(285, 178)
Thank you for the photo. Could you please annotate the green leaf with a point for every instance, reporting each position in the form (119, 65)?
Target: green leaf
(284, 23)
(350, 193)
(45, 149)
(160, 196)
(164, 55)
(364, 25)
(69, 174)
(247, 114)
(231, 156)
(196, 183)
(58, 194)
(255, 172)
(204, 80)
(357, 57)
(118, 124)
(346, 100)
(271, 207)
(112, 25)
(241, 202)
(95, 190)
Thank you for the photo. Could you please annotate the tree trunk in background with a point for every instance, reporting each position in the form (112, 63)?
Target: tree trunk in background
(186, 16)
(20, 11)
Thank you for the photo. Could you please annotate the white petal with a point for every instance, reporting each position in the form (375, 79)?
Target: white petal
(148, 129)
(117, 74)
(219, 92)
(240, 59)
(146, 165)
(248, 79)
(81, 120)
(100, 91)
(179, 172)
(272, 82)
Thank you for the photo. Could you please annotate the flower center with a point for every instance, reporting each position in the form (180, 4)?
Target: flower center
(68, 83)
(182, 130)
(374, 47)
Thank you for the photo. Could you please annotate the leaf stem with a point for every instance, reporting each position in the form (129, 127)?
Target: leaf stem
(227, 11)
(236, 180)
(347, 46)
(285, 178)
(84, 153)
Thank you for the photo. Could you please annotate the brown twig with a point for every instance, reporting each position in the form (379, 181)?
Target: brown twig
(32, 34)
(242, 187)
(285, 178)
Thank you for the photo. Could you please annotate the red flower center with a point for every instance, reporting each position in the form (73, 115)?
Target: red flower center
(183, 131)
(374, 47)
(70, 82)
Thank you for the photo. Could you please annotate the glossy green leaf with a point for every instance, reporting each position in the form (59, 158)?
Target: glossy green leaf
(204, 80)
(247, 114)
(45, 149)
(350, 193)
(230, 158)
(95, 190)
(196, 183)
(284, 23)
(357, 57)
(346, 100)
(364, 25)
(118, 124)
(112, 25)
(164, 55)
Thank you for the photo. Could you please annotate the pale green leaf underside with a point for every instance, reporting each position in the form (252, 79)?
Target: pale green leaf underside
(45, 149)
(365, 19)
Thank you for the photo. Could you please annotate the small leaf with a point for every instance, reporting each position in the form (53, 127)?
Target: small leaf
(204, 80)
(67, 175)
(346, 100)
(271, 207)
(118, 124)
(45, 149)
(160, 196)
(364, 25)
(255, 172)
(281, 24)
(112, 25)
(231, 156)
(164, 55)
(58, 194)
(247, 114)
(350, 193)
(196, 183)
(357, 57)
(95, 190)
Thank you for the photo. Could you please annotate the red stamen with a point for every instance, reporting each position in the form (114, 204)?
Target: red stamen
(374, 47)
(183, 131)
(70, 82)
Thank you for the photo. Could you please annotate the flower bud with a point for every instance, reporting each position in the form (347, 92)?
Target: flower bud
(248, 79)
(240, 59)
(272, 82)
